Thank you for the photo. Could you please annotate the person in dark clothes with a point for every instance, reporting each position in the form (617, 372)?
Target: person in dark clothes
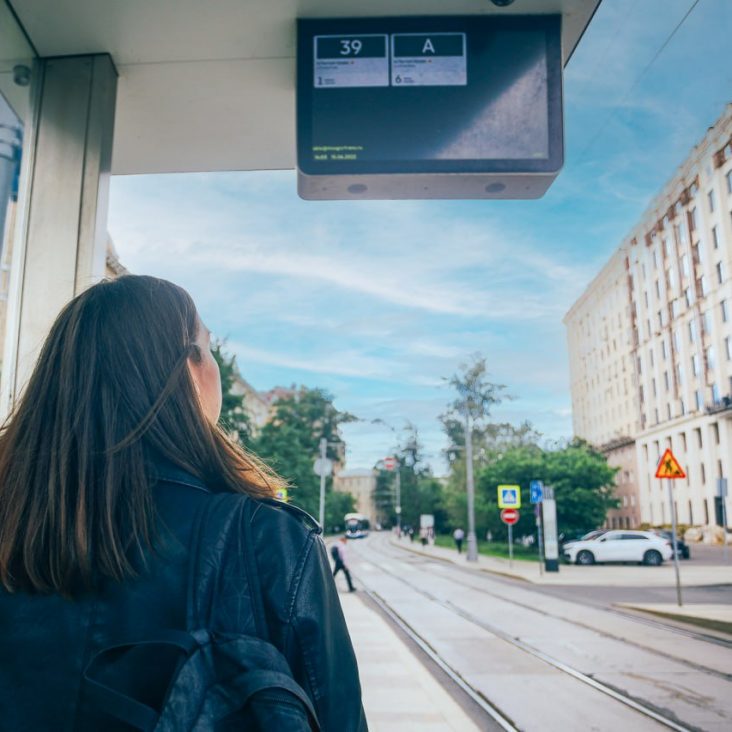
(340, 557)
(109, 463)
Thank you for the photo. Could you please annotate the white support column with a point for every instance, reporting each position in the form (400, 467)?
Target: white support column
(62, 248)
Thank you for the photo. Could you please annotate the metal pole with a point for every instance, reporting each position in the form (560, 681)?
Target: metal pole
(673, 542)
(723, 492)
(472, 555)
(399, 498)
(540, 533)
(321, 510)
(510, 545)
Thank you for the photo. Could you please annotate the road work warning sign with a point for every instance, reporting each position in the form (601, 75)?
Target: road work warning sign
(669, 467)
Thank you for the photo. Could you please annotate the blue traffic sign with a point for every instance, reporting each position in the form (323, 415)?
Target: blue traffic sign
(536, 491)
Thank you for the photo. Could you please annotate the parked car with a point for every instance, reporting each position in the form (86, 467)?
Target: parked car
(681, 546)
(620, 546)
(589, 536)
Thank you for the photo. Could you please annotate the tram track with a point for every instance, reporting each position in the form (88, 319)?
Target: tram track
(649, 622)
(638, 705)
(606, 634)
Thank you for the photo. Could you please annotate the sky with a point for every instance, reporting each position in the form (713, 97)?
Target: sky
(379, 301)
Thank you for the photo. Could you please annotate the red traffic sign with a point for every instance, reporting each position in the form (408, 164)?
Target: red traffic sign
(668, 467)
(389, 463)
(510, 515)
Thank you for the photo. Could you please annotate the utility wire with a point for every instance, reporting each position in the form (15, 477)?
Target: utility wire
(637, 81)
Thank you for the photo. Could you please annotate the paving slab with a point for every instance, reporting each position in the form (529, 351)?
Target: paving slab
(399, 693)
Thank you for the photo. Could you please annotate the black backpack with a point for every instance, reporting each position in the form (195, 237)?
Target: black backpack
(213, 682)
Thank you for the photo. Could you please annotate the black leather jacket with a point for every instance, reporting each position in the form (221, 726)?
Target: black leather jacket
(46, 641)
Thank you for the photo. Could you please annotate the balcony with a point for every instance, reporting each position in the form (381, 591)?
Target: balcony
(723, 405)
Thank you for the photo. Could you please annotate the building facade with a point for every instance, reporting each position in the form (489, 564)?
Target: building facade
(650, 344)
(361, 485)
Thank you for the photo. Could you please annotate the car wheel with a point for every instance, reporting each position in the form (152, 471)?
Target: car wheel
(686, 554)
(585, 557)
(652, 558)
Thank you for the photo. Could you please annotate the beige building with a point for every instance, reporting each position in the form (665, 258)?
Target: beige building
(650, 345)
(361, 485)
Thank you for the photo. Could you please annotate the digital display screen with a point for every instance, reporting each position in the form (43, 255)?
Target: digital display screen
(432, 94)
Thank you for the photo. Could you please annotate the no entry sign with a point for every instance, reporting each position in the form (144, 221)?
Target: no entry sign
(509, 516)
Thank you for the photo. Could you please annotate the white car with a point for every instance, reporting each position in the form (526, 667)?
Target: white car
(620, 546)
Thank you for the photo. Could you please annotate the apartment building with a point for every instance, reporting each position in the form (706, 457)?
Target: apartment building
(650, 344)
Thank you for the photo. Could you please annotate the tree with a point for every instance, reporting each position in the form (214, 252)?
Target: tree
(421, 492)
(234, 418)
(476, 396)
(290, 443)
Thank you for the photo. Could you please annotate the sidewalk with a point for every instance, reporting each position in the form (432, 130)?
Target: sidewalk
(715, 617)
(398, 692)
(627, 575)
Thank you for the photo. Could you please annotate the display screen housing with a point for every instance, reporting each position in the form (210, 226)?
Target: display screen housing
(457, 94)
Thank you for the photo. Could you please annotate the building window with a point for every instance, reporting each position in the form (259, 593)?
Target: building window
(720, 272)
(691, 514)
(666, 380)
(710, 199)
(697, 431)
(685, 265)
(704, 285)
(729, 186)
(692, 219)
(650, 353)
(668, 410)
(679, 374)
(698, 400)
(640, 365)
(676, 338)
(668, 247)
(725, 311)
(728, 347)
(655, 259)
(707, 322)
(671, 278)
(695, 365)
(715, 432)
(715, 394)
(703, 473)
(658, 289)
(653, 386)
(692, 331)
(710, 357)
(715, 237)
(656, 415)
(661, 318)
(645, 298)
(682, 407)
(663, 349)
(683, 441)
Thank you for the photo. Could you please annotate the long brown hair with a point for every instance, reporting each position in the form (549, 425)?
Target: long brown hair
(110, 394)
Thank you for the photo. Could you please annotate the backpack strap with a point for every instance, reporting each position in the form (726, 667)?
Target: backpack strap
(121, 706)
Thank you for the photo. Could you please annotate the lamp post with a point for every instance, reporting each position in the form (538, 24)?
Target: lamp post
(472, 554)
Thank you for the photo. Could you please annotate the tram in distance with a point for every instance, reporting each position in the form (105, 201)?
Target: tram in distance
(357, 525)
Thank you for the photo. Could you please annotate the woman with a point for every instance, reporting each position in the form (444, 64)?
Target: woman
(104, 465)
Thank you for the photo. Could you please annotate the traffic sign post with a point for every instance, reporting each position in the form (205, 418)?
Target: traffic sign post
(536, 496)
(510, 516)
(669, 468)
(322, 467)
(722, 493)
(509, 496)
(551, 542)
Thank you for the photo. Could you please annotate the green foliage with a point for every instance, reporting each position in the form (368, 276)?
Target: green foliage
(583, 485)
(234, 418)
(421, 492)
(290, 443)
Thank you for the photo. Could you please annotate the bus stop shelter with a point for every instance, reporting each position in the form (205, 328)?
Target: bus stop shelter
(92, 88)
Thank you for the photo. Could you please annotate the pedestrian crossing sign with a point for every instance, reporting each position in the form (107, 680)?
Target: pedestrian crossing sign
(509, 496)
(668, 467)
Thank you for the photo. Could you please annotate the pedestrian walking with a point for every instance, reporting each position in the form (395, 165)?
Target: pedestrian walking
(125, 509)
(458, 535)
(339, 552)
